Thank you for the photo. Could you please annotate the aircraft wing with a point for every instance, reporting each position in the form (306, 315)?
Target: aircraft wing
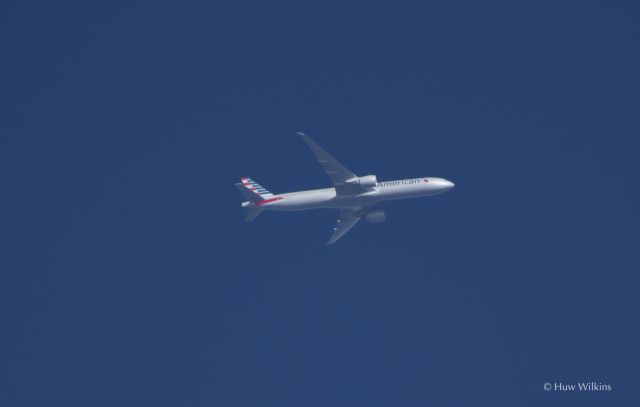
(338, 172)
(348, 219)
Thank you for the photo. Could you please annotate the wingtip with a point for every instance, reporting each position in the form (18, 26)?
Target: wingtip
(332, 240)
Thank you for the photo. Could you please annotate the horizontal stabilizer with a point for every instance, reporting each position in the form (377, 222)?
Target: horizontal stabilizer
(252, 214)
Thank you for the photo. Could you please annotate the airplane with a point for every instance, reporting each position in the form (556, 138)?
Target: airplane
(352, 195)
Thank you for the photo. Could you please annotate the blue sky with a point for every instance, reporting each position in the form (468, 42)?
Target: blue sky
(128, 276)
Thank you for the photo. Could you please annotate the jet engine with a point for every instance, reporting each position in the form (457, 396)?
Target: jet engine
(376, 216)
(368, 181)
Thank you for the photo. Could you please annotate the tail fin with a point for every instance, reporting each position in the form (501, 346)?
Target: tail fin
(256, 188)
(248, 194)
(253, 192)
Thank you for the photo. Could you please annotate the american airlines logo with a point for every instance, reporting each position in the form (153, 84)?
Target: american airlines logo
(400, 182)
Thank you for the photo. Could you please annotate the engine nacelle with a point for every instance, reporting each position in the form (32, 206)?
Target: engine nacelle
(376, 216)
(368, 181)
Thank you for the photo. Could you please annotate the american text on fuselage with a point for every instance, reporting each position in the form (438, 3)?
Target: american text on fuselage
(401, 182)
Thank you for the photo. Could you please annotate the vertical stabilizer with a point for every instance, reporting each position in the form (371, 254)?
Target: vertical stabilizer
(256, 188)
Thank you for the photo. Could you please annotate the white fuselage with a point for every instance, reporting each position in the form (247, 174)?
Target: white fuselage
(383, 191)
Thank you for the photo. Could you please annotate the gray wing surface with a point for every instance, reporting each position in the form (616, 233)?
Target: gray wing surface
(338, 172)
(348, 219)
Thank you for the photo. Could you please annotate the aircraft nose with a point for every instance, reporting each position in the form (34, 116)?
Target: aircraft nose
(444, 184)
(441, 184)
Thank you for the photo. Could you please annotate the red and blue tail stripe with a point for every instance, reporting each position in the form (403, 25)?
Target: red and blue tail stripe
(257, 188)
